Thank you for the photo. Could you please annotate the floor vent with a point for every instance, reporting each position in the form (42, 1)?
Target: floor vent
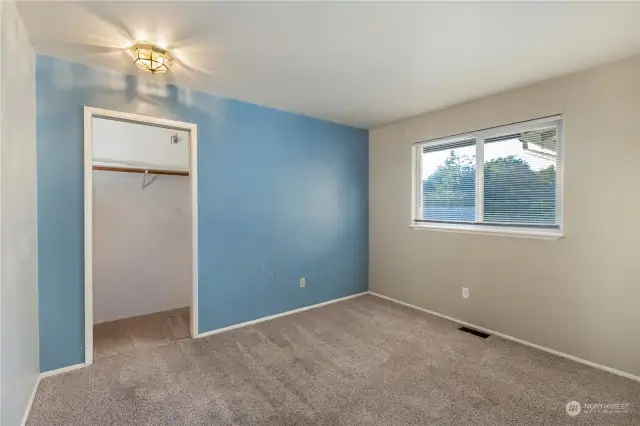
(474, 332)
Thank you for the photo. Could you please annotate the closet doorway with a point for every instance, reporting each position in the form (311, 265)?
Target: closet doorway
(140, 233)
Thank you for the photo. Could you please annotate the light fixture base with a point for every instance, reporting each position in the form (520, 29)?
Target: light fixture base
(151, 57)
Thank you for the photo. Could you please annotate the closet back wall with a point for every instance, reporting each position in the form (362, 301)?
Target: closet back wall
(141, 236)
(280, 196)
(141, 245)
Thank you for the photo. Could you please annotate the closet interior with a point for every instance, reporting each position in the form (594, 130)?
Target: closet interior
(141, 265)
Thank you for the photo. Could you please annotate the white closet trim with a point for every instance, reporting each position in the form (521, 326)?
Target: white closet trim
(89, 114)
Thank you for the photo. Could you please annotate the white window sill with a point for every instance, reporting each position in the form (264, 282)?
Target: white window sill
(545, 234)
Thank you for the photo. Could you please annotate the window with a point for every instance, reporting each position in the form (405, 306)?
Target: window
(501, 180)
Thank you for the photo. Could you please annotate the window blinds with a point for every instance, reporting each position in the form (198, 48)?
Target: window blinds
(506, 176)
(449, 182)
(520, 178)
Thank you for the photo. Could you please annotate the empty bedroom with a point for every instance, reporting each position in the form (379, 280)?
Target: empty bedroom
(374, 213)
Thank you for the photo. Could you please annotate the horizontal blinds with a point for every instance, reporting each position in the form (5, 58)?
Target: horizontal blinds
(520, 178)
(449, 182)
(448, 146)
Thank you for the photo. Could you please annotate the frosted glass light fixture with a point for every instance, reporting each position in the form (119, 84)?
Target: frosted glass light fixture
(151, 57)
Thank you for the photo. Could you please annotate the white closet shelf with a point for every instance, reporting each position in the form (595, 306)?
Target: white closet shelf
(136, 170)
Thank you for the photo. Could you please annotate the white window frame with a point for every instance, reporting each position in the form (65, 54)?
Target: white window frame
(480, 136)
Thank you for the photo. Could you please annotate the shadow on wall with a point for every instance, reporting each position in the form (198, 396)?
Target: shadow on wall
(281, 196)
(132, 93)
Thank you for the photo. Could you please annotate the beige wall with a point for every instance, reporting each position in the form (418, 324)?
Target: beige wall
(18, 219)
(579, 294)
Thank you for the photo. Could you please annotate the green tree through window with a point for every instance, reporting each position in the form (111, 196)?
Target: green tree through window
(513, 191)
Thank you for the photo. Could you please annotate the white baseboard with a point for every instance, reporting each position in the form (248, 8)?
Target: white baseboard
(31, 399)
(514, 339)
(270, 317)
(61, 370)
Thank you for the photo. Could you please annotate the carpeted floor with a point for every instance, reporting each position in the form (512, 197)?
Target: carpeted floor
(121, 336)
(361, 361)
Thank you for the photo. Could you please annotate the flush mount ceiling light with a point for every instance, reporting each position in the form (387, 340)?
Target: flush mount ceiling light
(151, 57)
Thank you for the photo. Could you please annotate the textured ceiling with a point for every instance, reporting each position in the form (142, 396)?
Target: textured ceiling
(362, 64)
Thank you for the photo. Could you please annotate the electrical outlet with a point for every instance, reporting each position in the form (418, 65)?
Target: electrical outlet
(465, 292)
(303, 282)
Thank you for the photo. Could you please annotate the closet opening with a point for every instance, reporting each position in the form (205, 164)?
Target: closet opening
(140, 237)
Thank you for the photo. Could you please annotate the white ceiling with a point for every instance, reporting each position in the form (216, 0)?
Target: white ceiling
(362, 64)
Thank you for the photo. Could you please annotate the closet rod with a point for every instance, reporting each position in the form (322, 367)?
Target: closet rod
(131, 170)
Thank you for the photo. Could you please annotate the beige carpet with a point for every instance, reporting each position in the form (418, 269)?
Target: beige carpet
(361, 361)
(125, 335)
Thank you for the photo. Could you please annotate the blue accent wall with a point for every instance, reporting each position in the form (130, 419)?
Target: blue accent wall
(280, 196)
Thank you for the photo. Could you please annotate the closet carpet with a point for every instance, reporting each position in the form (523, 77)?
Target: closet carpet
(362, 361)
(117, 337)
